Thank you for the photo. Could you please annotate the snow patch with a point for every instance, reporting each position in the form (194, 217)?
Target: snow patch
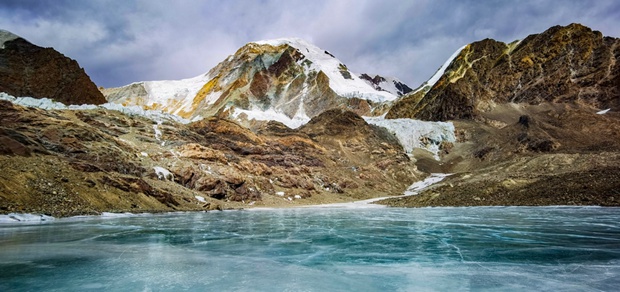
(200, 199)
(163, 174)
(389, 85)
(603, 112)
(157, 131)
(431, 81)
(417, 134)
(272, 115)
(48, 104)
(417, 187)
(333, 68)
(414, 189)
(175, 92)
(6, 36)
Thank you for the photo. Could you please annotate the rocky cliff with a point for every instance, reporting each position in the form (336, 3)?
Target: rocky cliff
(30, 70)
(570, 64)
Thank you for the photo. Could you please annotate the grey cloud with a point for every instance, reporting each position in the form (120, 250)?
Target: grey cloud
(119, 42)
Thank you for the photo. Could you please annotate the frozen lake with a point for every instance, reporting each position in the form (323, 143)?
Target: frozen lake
(320, 249)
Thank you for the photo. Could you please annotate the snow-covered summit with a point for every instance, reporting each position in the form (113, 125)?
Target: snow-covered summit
(342, 81)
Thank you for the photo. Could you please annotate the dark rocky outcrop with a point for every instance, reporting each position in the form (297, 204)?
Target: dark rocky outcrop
(30, 70)
(563, 64)
(379, 82)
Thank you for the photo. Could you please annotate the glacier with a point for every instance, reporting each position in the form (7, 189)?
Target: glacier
(417, 134)
(48, 104)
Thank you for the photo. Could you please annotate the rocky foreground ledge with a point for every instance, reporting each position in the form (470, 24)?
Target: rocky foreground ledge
(586, 180)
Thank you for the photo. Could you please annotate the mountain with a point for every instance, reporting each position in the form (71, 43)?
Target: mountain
(288, 80)
(30, 70)
(570, 64)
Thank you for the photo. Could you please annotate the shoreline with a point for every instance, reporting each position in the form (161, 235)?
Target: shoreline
(11, 222)
(412, 190)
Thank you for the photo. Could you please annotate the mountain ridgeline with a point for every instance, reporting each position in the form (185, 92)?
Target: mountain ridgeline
(570, 64)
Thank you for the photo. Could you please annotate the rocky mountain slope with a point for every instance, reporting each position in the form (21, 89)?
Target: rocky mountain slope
(563, 64)
(288, 80)
(30, 70)
(536, 121)
(69, 162)
(546, 154)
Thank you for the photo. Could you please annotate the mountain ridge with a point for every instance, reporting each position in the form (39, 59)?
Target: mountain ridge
(563, 64)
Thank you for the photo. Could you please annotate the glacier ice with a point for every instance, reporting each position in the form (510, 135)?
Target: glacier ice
(48, 104)
(417, 134)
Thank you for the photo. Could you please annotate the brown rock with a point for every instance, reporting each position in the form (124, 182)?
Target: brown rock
(196, 151)
(570, 64)
(9, 146)
(30, 70)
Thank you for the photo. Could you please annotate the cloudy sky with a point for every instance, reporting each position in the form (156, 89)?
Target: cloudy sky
(123, 41)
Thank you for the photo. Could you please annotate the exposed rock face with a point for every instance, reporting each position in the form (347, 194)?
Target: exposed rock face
(528, 131)
(563, 64)
(30, 70)
(287, 77)
(387, 84)
(64, 162)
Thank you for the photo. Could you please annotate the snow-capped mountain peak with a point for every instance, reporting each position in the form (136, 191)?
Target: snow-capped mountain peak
(286, 77)
(342, 81)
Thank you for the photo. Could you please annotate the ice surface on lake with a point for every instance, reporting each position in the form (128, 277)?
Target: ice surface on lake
(320, 249)
(15, 217)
